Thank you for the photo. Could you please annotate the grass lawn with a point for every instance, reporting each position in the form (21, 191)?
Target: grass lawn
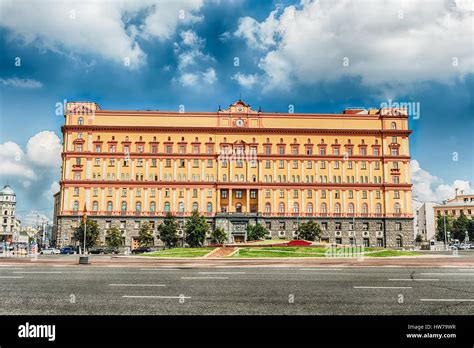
(385, 253)
(180, 252)
(317, 252)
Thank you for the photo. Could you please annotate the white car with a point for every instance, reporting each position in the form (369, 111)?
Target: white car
(50, 251)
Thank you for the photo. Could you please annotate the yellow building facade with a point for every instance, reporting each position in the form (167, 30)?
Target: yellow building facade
(349, 171)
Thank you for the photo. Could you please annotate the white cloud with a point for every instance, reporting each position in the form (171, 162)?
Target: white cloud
(209, 76)
(44, 150)
(246, 81)
(21, 83)
(12, 162)
(192, 61)
(385, 42)
(96, 27)
(427, 187)
(53, 189)
(32, 172)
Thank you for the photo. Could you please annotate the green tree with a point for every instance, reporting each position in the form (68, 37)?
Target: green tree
(309, 230)
(196, 229)
(145, 235)
(218, 236)
(256, 232)
(168, 231)
(114, 237)
(460, 226)
(440, 221)
(418, 238)
(92, 234)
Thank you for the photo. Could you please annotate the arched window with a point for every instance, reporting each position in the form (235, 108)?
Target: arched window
(365, 208)
(350, 208)
(181, 207)
(281, 208)
(109, 206)
(268, 208)
(393, 125)
(95, 206)
(76, 206)
(209, 207)
(138, 206)
(152, 207)
(236, 178)
(242, 179)
(80, 121)
(378, 208)
(296, 207)
(224, 177)
(124, 207)
(399, 241)
(167, 207)
(324, 208)
(397, 208)
(337, 208)
(195, 206)
(309, 208)
(238, 208)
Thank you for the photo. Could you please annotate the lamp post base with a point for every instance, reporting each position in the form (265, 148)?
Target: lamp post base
(83, 260)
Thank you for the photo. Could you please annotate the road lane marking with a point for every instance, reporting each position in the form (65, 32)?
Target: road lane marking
(447, 299)
(383, 287)
(419, 280)
(38, 272)
(159, 269)
(152, 296)
(11, 277)
(203, 278)
(448, 273)
(221, 272)
(137, 285)
(320, 269)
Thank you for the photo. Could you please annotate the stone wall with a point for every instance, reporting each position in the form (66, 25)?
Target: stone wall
(379, 230)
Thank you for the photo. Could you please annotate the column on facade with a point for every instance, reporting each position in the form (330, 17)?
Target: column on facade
(102, 199)
(160, 208)
(201, 191)
(230, 201)
(274, 207)
(259, 201)
(175, 164)
(260, 171)
(218, 201)
(247, 201)
(161, 170)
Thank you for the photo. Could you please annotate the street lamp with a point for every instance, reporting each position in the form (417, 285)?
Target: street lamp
(83, 260)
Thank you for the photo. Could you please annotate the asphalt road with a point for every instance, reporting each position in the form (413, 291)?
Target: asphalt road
(74, 289)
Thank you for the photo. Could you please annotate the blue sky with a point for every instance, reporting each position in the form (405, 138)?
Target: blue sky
(317, 56)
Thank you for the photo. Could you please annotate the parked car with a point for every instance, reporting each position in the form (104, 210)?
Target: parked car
(103, 250)
(143, 249)
(68, 250)
(50, 251)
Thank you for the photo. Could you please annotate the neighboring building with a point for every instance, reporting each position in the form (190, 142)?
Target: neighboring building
(460, 203)
(9, 222)
(415, 205)
(239, 166)
(55, 228)
(425, 221)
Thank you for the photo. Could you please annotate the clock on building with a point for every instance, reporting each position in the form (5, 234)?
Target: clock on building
(239, 122)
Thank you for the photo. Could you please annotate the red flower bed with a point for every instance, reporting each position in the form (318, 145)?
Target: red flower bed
(298, 243)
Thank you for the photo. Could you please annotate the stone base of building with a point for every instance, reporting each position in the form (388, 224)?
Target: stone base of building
(370, 232)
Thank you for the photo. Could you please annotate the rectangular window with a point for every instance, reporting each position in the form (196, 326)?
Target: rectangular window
(238, 194)
(224, 194)
(349, 165)
(295, 164)
(267, 193)
(168, 163)
(168, 149)
(322, 165)
(253, 194)
(323, 194)
(309, 164)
